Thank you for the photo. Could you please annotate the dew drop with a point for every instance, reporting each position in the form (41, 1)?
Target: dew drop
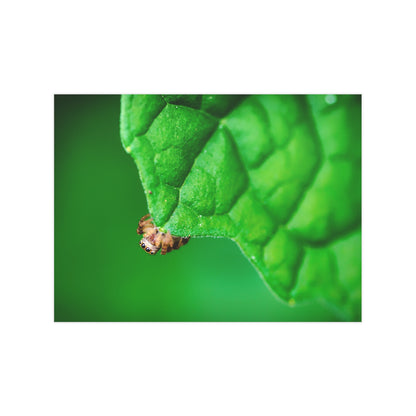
(330, 99)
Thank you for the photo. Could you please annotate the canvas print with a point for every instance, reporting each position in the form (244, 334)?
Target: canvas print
(195, 208)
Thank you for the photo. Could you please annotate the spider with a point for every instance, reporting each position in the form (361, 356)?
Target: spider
(153, 240)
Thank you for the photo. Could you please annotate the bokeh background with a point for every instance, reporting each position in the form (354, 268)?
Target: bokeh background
(101, 274)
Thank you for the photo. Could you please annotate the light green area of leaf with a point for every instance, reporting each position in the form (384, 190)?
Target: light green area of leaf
(278, 174)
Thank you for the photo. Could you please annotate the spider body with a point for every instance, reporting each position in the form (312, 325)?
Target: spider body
(153, 240)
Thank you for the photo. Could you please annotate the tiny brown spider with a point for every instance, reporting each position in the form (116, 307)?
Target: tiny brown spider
(153, 240)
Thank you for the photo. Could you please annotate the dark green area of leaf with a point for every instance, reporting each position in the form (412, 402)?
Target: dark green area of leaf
(279, 174)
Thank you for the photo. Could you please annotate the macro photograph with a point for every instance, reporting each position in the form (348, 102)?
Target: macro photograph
(207, 208)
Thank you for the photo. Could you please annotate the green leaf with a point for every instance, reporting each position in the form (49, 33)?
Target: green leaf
(278, 174)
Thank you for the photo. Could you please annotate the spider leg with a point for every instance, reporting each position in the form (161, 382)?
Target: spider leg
(158, 239)
(167, 241)
(144, 217)
(144, 224)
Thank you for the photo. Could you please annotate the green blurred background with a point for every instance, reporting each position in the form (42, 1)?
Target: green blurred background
(101, 274)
